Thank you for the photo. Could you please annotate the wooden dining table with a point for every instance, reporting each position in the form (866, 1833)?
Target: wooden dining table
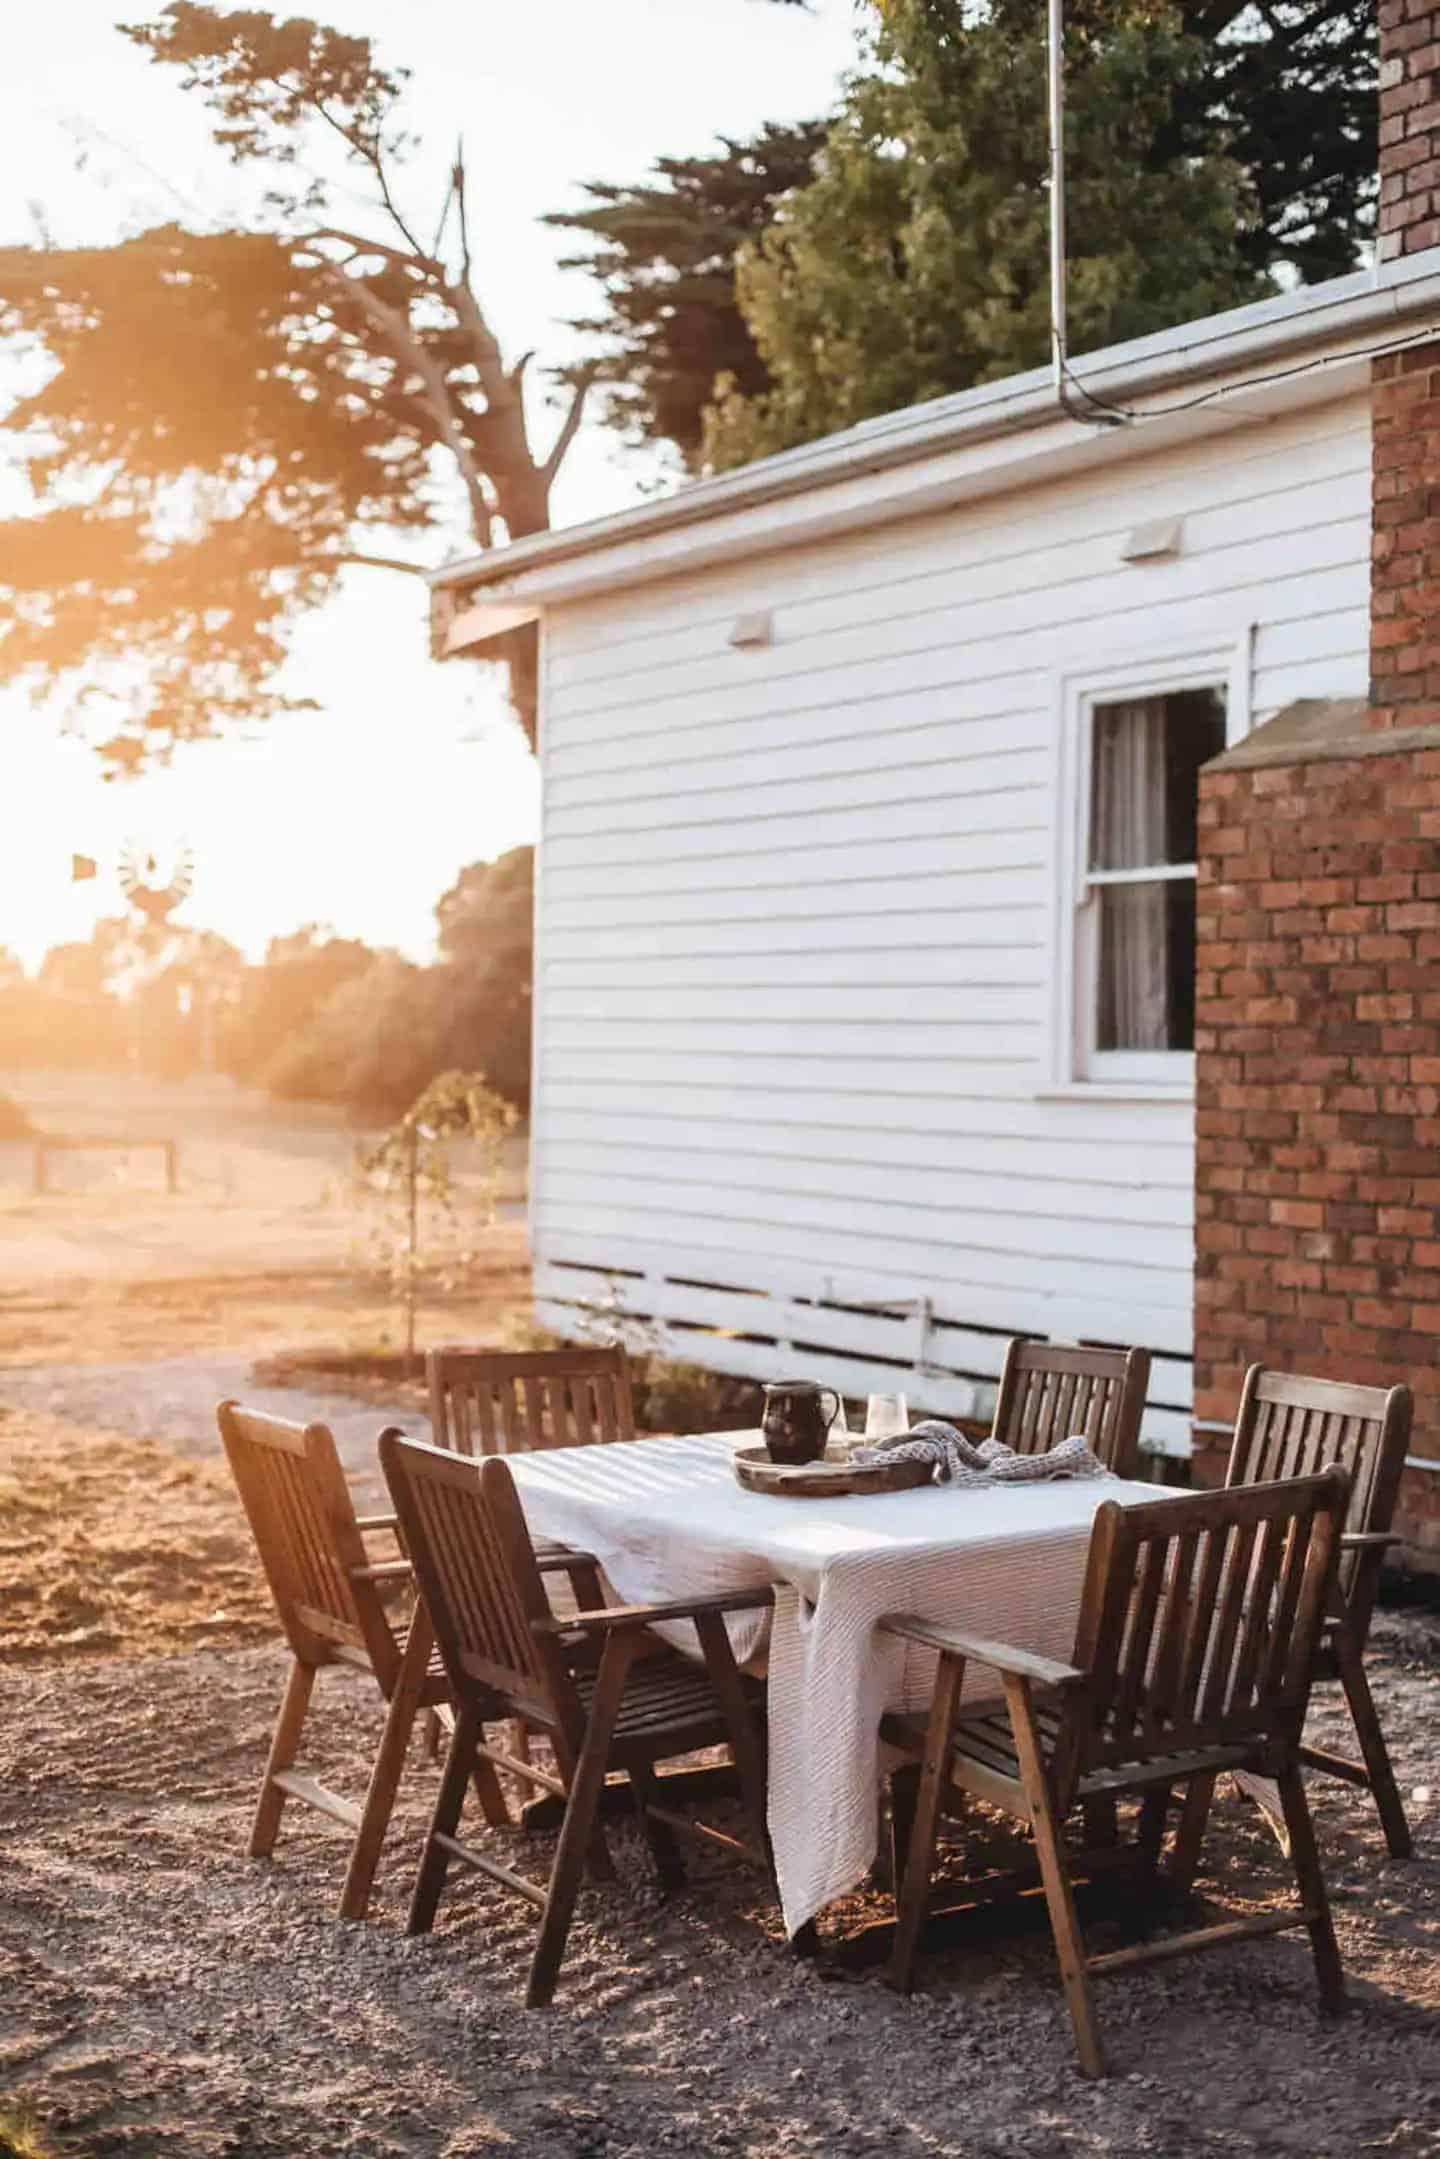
(667, 1519)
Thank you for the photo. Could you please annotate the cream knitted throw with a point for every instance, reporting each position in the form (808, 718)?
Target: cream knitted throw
(963, 1461)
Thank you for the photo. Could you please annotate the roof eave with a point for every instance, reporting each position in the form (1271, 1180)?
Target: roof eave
(1344, 313)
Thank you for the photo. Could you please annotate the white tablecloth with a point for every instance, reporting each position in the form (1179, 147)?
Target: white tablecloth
(666, 1519)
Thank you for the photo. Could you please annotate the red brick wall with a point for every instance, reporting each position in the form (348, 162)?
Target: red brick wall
(1405, 594)
(1409, 126)
(1405, 573)
(1318, 1087)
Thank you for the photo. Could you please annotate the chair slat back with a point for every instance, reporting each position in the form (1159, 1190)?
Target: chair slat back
(1200, 1619)
(466, 1535)
(302, 1518)
(486, 1402)
(1293, 1427)
(1050, 1390)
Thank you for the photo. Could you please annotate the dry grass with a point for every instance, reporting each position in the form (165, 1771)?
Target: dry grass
(114, 1547)
(20, 2139)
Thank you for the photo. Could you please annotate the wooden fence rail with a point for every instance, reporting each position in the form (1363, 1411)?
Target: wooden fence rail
(44, 1148)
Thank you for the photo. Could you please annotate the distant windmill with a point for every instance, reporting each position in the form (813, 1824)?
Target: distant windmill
(140, 881)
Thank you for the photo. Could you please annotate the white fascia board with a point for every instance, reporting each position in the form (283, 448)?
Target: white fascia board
(1001, 436)
(482, 619)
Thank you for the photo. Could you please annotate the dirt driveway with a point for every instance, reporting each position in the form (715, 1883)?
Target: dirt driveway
(165, 1998)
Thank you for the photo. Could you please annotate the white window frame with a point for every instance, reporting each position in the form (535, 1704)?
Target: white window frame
(1073, 1066)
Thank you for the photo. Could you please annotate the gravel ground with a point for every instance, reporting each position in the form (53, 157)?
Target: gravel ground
(172, 1400)
(165, 1996)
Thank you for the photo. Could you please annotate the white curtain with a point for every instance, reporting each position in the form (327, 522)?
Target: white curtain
(1128, 833)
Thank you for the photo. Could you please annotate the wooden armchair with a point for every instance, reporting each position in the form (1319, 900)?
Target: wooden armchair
(495, 1401)
(596, 1682)
(1049, 1390)
(500, 1401)
(1289, 1427)
(327, 1592)
(1193, 1653)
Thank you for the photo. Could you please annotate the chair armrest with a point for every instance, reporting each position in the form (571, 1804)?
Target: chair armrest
(977, 1649)
(563, 1562)
(647, 1615)
(383, 1570)
(377, 1521)
(1369, 1540)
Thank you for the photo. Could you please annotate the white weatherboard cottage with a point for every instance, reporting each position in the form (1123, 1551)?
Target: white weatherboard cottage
(864, 968)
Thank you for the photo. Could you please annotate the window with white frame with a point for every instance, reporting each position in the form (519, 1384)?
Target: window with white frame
(1145, 759)
(1132, 747)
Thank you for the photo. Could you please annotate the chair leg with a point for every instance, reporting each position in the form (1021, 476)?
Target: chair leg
(1372, 1746)
(1102, 1826)
(1150, 1835)
(661, 1838)
(1055, 1874)
(744, 1738)
(598, 1861)
(912, 1892)
(904, 1792)
(1194, 1815)
(580, 1815)
(385, 1776)
(435, 1860)
(490, 1794)
(1311, 1884)
(284, 1746)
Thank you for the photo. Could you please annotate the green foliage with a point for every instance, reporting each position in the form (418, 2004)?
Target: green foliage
(277, 1006)
(916, 262)
(664, 255)
(1289, 90)
(322, 1018)
(422, 1223)
(375, 1038)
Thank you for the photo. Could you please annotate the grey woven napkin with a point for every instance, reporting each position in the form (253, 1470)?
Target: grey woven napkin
(958, 1460)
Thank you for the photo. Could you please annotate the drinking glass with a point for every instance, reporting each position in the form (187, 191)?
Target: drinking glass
(886, 1415)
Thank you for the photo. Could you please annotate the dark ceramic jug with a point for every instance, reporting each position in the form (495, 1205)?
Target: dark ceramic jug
(794, 1422)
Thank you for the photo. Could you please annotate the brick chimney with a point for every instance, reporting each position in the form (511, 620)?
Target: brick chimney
(1317, 1081)
(1405, 590)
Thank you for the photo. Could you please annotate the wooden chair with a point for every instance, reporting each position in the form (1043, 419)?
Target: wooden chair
(1049, 1390)
(1193, 1653)
(1290, 1427)
(495, 1401)
(499, 1401)
(327, 1592)
(597, 1683)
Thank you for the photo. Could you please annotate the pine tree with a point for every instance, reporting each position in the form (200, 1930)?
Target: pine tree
(664, 256)
(916, 262)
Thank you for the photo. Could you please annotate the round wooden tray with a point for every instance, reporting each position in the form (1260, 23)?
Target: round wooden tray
(825, 1480)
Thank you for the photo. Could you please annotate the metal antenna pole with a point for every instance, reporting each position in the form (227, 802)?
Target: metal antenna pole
(1055, 58)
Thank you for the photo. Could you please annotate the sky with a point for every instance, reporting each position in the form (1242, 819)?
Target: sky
(360, 814)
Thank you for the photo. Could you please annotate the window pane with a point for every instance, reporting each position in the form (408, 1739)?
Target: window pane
(1145, 779)
(1146, 986)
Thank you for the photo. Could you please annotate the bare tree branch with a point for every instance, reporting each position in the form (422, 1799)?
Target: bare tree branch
(435, 395)
(484, 345)
(370, 155)
(462, 204)
(429, 266)
(569, 428)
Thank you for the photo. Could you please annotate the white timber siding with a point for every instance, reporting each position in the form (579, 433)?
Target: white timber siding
(794, 920)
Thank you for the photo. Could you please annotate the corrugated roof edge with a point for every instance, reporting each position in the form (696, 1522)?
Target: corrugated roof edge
(1213, 345)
